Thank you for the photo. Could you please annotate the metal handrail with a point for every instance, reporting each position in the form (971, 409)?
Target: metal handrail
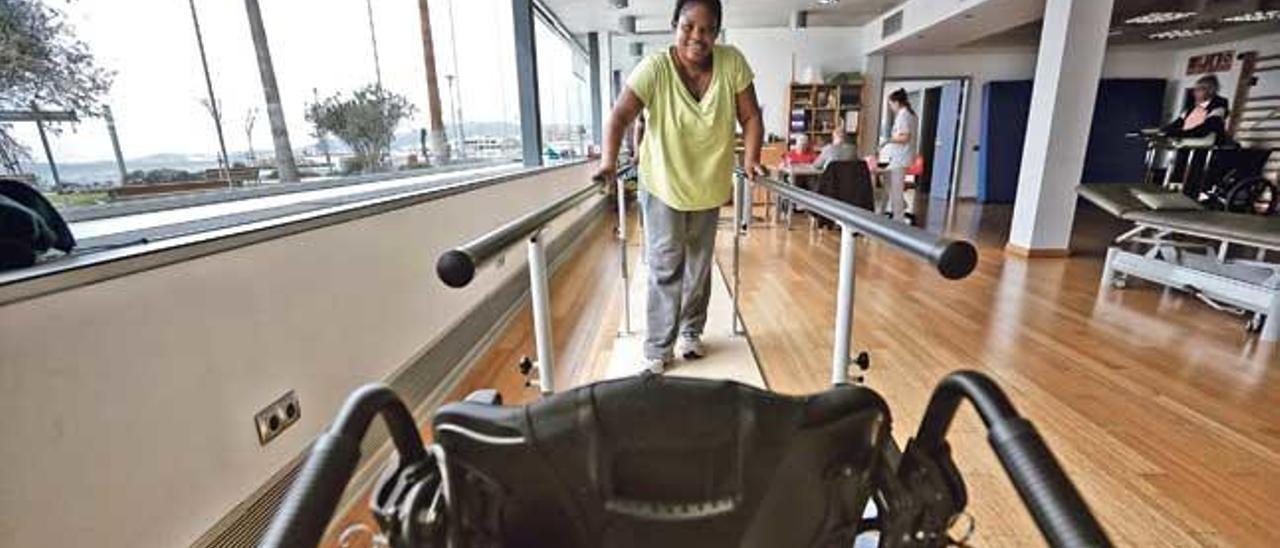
(457, 267)
(954, 259)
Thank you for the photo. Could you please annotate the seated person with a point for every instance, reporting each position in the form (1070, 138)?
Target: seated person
(841, 149)
(1207, 116)
(803, 152)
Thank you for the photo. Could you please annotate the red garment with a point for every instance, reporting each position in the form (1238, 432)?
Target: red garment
(799, 157)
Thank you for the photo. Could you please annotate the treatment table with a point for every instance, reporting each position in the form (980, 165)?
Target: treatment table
(1176, 244)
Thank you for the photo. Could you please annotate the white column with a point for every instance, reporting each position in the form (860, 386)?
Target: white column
(1072, 45)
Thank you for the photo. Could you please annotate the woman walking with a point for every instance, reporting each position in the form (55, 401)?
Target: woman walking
(694, 92)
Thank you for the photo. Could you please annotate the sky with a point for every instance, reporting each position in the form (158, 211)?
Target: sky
(315, 44)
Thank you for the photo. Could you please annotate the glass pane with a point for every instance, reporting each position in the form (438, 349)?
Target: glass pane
(339, 67)
(563, 95)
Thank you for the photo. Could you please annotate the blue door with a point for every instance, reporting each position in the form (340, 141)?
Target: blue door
(1005, 107)
(947, 140)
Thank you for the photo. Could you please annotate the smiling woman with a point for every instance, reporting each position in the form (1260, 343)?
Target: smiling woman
(695, 94)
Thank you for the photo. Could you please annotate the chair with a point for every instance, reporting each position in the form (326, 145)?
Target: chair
(847, 181)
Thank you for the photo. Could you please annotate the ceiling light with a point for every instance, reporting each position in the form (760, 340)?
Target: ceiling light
(828, 2)
(617, 4)
(1254, 17)
(1178, 34)
(1160, 17)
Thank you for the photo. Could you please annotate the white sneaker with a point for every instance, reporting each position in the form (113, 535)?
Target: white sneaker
(690, 348)
(655, 365)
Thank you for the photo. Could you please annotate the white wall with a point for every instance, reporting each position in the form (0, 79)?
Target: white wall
(1264, 45)
(127, 405)
(1013, 64)
(779, 55)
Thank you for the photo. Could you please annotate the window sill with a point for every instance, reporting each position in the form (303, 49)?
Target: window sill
(84, 268)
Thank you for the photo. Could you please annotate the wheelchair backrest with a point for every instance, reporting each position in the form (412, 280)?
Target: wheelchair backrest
(663, 461)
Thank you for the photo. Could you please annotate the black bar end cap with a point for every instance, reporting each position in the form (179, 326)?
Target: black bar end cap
(455, 268)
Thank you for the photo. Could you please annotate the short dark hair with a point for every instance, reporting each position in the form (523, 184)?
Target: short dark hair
(713, 5)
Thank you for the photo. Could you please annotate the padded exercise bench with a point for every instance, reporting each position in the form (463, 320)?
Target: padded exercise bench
(1177, 244)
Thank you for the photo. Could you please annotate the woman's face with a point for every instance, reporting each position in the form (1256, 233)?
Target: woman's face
(696, 31)
(894, 106)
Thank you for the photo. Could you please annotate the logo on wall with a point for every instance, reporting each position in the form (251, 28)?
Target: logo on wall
(1210, 62)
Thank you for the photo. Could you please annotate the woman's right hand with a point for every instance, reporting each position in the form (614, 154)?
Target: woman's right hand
(606, 171)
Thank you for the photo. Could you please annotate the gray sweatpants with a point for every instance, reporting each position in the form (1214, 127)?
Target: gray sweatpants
(680, 247)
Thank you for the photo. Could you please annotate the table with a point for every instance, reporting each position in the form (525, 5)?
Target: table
(793, 174)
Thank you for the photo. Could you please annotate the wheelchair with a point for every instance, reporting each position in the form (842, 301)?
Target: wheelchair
(667, 461)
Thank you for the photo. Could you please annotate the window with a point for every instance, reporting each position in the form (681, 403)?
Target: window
(181, 160)
(564, 94)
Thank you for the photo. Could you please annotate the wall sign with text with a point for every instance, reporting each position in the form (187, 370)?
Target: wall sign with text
(1210, 62)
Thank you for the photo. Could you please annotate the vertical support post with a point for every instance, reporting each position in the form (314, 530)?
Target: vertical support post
(739, 226)
(115, 143)
(597, 122)
(541, 302)
(48, 153)
(527, 82)
(622, 255)
(844, 308)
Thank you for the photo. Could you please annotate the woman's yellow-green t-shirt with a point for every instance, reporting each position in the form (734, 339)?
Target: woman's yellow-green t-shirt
(686, 156)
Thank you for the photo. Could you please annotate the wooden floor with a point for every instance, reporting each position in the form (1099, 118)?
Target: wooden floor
(1165, 414)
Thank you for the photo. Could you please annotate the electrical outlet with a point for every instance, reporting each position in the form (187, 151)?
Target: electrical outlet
(277, 416)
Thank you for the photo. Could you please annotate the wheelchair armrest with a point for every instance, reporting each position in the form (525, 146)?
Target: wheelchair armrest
(487, 396)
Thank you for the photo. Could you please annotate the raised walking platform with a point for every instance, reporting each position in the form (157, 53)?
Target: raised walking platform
(729, 356)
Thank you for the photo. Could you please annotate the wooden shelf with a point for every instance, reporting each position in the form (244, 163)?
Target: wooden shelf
(809, 105)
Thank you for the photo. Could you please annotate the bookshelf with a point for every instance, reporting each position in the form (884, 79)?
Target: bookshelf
(815, 109)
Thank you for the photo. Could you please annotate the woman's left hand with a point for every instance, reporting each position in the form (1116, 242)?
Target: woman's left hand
(752, 169)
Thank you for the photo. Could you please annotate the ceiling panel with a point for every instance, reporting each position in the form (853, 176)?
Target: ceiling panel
(1208, 15)
(582, 16)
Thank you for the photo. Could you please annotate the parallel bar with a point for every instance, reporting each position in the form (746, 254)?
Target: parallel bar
(954, 259)
(457, 267)
(527, 82)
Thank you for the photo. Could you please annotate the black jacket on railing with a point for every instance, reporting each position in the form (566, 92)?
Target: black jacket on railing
(848, 181)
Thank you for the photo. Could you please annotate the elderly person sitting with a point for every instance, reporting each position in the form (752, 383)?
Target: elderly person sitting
(841, 149)
(803, 152)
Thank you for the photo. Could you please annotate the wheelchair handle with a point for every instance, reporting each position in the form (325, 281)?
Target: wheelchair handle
(1057, 507)
(314, 495)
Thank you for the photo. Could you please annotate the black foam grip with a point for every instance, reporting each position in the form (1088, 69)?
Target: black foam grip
(958, 259)
(455, 268)
(1058, 509)
(313, 497)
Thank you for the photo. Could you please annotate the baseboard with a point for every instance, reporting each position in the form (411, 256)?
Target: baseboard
(423, 384)
(1036, 253)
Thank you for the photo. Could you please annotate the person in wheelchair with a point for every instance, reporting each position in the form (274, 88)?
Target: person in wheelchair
(1205, 119)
